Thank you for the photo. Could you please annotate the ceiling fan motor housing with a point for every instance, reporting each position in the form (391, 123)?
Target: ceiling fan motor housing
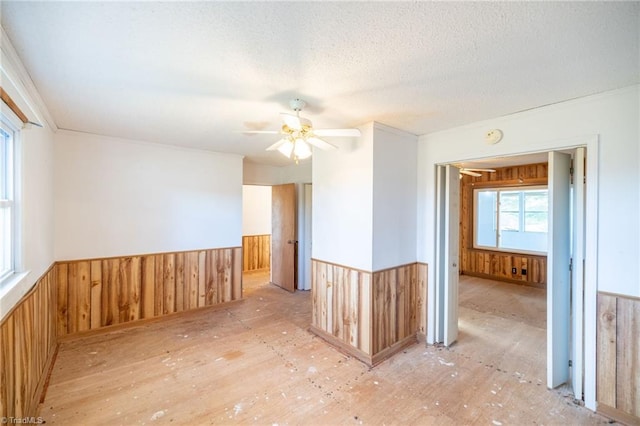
(297, 104)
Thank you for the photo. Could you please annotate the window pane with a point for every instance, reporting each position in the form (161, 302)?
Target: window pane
(536, 201)
(520, 214)
(486, 218)
(4, 164)
(536, 205)
(509, 221)
(5, 240)
(6, 205)
(535, 222)
(510, 201)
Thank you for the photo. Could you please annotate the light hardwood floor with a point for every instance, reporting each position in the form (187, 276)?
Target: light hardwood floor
(256, 363)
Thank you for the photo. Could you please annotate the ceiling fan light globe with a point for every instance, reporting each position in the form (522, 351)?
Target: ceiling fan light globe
(301, 149)
(286, 149)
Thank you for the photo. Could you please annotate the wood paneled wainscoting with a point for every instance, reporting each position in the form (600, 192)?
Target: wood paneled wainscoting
(102, 292)
(618, 357)
(498, 266)
(256, 252)
(28, 344)
(370, 315)
(81, 295)
(530, 269)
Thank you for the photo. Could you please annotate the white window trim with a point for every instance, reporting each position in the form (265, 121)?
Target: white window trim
(13, 277)
(475, 220)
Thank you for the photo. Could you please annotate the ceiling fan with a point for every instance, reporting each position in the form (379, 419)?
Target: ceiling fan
(298, 134)
(474, 172)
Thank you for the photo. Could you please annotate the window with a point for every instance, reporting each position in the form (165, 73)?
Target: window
(7, 201)
(511, 219)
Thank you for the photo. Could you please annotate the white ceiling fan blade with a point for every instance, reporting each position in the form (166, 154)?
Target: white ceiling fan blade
(277, 145)
(291, 121)
(260, 132)
(317, 142)
(480, 170)
(469, 173)
(337, 132)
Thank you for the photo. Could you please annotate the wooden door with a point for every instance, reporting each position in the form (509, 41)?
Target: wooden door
(283, 236)
(558, 277)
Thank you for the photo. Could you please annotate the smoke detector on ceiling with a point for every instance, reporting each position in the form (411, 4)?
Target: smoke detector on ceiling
(493, 136)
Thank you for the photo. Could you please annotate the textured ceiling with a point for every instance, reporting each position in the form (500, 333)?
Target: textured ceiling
(195, 74)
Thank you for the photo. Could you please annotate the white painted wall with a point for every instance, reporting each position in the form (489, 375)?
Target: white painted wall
(256, 210)
(37, 204)
(35, 182)
(394, 197)
(116, 197)
(298, 173)
(613, 117)
(343, 203)
(262, 174)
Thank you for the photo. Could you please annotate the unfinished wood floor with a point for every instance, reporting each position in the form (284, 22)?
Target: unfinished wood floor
(255, 363)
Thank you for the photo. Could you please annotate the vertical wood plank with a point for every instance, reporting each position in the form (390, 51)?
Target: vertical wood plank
(237, 274)
(606, 350)
(180, 282)
(62, 283)
(96, 294)
(202, 279)
(422, 297)
(74, 312)
(148, 287)
(193, 279)
(628, 356)
(224, 273)
(338, 302)
(365, 305)
(135, 289)
(159, 308)
(354, 308)
(211, 275)
(8, 355)
(110, 299)
(123, 273)
(329, 300)
(169, 280)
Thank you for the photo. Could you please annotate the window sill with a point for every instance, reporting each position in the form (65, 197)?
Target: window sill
(508, 251)
(12, 289)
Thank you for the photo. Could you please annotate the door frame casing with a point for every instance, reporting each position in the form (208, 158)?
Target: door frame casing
(592, 145)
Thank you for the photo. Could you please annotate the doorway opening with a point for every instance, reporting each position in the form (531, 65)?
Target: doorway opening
(565, 287)
(256, 237)
(276, 237)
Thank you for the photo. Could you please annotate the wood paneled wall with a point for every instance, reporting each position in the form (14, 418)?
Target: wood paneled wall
(370, 315)
(256, 252)
(618, 357)
(98, 293)
(28, 344)
(341, 304)
(497, 264)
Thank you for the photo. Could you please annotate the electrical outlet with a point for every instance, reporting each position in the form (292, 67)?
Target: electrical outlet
(514, 270)
(524, 272)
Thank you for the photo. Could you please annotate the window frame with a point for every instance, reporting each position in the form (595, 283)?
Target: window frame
(521, 218)
(8, 124)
